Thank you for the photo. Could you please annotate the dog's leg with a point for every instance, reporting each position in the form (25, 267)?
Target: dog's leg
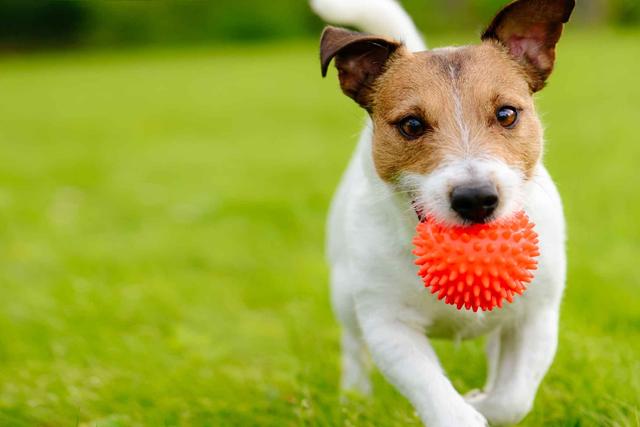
(354, 358)
(492, 350)
(403, 354)
(355, 364)
(525, 353)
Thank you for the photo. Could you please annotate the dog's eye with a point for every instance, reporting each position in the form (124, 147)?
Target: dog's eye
(411, 127)
(507, 117)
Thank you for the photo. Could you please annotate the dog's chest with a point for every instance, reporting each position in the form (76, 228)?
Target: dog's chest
(455, 324)
(405, 292)
(441, 320)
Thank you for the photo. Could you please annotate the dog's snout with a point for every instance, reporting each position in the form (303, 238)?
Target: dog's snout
(475, 203)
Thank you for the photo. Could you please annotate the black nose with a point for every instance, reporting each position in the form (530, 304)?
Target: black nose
(475, 202)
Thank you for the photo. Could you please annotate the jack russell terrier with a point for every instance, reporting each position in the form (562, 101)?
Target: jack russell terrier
(452, 133)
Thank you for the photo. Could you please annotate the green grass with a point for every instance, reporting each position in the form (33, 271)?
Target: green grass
(161, 240)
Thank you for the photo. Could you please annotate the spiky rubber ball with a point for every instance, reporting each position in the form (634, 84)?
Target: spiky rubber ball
(479, 266)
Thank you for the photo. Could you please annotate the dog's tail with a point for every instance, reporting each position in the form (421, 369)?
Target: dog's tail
(381, 17)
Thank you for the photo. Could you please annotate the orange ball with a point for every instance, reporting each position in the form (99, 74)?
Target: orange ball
(479, 266)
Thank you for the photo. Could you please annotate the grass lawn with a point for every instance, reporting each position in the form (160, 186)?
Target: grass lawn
(161, 239)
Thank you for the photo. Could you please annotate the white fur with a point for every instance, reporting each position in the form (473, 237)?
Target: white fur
(382, 17)
(382, 304)
(431, 192)
(463, 128)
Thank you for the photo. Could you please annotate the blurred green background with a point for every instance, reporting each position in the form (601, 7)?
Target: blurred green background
(165, 172)
(80, 23)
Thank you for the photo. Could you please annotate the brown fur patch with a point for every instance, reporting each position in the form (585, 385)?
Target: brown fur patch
(457, 92)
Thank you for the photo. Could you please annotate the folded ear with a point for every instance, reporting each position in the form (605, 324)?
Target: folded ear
(359, 58)
(530, 30)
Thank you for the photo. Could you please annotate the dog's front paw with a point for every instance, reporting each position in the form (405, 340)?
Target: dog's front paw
(470, 417)
(459, 415)
(499, 411)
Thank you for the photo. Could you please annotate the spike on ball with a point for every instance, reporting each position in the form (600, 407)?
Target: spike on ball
(479, 266)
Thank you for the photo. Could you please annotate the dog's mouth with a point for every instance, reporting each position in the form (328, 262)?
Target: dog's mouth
(419, 210)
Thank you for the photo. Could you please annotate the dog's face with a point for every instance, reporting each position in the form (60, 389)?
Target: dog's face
(456, 128)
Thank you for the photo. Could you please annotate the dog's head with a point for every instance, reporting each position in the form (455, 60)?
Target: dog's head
(456, 128)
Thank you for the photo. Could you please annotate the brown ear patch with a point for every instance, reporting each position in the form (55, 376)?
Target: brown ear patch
(359, 58)
(530, 30)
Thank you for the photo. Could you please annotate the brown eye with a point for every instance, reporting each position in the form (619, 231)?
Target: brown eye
(507, 117)
(411, 127)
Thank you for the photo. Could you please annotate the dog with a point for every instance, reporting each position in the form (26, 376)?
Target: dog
(452, 133)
